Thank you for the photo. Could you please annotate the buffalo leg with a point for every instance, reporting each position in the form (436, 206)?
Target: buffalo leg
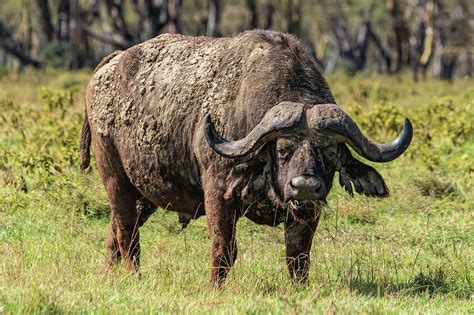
(144, 209)
(127, 234)
(112, 247)
(298, 239)
(123, 196)
(184, 219)
(221, 219)
(125, 224)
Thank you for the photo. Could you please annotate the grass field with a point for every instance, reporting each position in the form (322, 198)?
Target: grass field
(412, 252)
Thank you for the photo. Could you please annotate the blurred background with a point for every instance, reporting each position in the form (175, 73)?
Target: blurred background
(429, 38)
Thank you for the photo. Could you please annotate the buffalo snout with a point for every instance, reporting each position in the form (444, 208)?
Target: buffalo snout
(306, 188)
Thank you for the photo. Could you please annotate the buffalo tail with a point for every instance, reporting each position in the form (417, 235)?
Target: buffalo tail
(85, 144)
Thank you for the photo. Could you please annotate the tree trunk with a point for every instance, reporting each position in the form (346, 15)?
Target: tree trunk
(62, 24)
(45, 20)
(400, 29)
(448, 65)
(252, 7)
(29, 28)
(79, 40)
(213, 17)
(378, 43)
(174, 7)
(293, 16)
(269, 9)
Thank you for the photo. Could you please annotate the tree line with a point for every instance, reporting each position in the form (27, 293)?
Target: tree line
(424, 36)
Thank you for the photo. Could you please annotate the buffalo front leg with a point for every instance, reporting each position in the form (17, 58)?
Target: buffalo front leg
(298, 240)
(221, 219)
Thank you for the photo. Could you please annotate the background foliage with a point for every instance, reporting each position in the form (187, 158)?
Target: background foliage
(429, 37)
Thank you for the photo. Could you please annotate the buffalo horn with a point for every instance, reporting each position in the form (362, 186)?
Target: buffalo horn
(330, 118)
(280, 118)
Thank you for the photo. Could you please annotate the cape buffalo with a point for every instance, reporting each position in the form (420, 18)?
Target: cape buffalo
(159, 115)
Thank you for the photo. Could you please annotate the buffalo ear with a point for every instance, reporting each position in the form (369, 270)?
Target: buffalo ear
(365, 179)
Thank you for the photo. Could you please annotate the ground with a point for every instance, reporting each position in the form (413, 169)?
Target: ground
(412, 252)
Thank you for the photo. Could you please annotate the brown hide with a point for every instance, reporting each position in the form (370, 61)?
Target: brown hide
(145, 108)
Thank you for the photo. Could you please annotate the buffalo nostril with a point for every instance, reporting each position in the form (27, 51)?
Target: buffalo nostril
(317, 185)
(292, 185)
(301, 182)
(295, 183)
(305, 187)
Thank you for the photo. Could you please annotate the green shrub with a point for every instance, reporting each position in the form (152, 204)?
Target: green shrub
(57, 99)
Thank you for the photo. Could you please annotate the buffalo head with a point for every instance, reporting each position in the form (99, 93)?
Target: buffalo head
(308, 145)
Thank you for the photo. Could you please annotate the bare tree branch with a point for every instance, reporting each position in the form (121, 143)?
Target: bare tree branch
(9, 44)
(115, 11)
(113, 40)
(149, 13)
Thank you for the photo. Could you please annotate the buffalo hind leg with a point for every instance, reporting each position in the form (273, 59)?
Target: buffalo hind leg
(111, 244)
(298, 239)
(144, 209)
(125, 222)
(123, 196)
(127, 234)
(221, 219)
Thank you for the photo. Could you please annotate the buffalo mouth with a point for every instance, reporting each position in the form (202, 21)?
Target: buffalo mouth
(305, 204)
(305, 210)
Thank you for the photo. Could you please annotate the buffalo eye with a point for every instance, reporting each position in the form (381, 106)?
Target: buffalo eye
(284, 153)
(330, 153)
(284, 149)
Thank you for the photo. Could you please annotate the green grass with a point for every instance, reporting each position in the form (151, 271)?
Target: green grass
(409, 253)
